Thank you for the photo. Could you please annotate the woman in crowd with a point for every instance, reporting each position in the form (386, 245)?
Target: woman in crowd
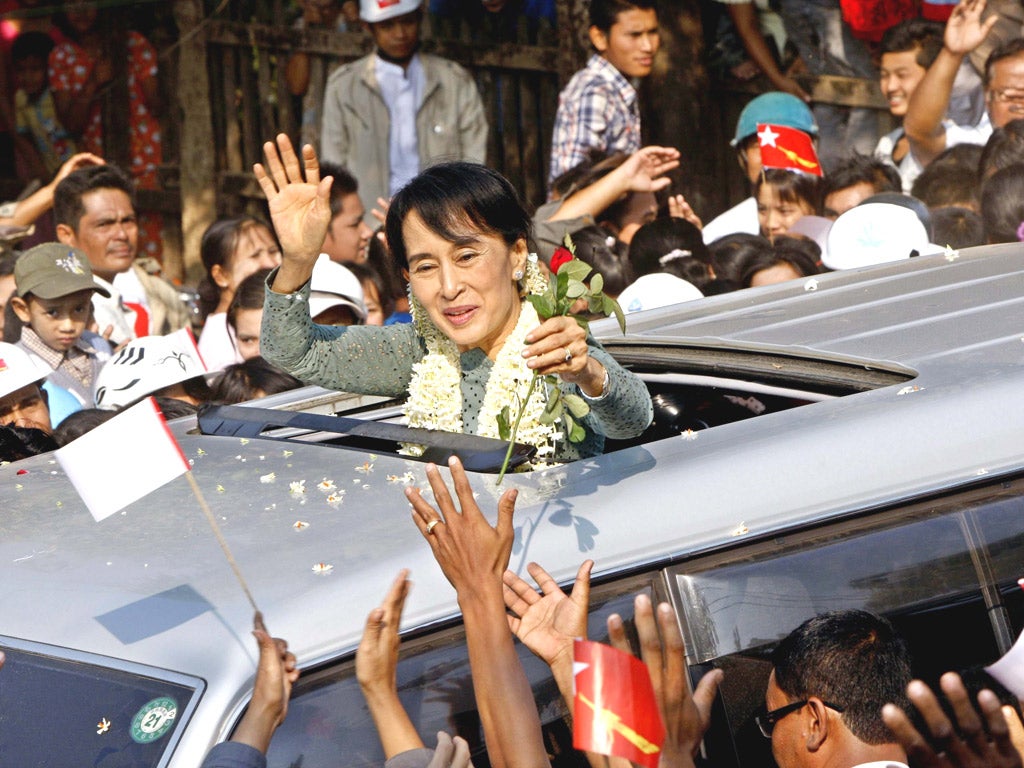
(460, 233)
(231, 250)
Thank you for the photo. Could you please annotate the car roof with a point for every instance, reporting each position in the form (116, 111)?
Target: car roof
(951, 328)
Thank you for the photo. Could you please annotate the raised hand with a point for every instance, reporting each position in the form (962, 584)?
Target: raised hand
(472, 554)
(686, 717)
(275, 674)
(299, 207)
(965, 30)
(645, 169)
(377, 655)
(549, 621)
(974, 741)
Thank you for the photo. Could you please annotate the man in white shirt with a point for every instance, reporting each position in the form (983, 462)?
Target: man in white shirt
(94, 210)
(389, 115)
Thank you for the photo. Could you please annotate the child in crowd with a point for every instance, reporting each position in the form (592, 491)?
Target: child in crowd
(53, 298)
(250, 380)
(783, 197)
(43, 143)
(245, 315)
(379, 305)
(231, 250)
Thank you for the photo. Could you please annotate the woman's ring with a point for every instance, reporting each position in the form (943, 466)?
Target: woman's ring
(433, 524)
(568, 354)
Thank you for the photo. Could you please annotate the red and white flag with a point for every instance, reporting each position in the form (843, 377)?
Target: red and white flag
(788, 148)
(123, 459)
(615, 712)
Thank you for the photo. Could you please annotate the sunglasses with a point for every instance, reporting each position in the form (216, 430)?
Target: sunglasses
(766, 722)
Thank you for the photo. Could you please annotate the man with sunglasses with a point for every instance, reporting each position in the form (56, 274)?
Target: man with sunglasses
(830, 678)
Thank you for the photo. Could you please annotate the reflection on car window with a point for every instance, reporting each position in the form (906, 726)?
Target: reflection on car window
(934, 568)
(56, 711)
(329, 726)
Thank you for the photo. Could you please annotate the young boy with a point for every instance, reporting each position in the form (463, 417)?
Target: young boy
(53, 298)
(43, 143)
(598, 108)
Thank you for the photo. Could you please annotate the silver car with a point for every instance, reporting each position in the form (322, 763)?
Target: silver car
(850, 440)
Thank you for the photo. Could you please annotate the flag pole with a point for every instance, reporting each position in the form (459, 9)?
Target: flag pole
(220, 537)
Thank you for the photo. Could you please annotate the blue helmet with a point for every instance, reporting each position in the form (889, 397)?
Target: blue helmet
(777, 108)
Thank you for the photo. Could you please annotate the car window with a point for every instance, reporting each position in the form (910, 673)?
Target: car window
(57, 710)
(329, 726)
(933, 568)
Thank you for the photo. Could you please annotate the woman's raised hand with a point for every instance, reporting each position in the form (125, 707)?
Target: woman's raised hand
(299, 208)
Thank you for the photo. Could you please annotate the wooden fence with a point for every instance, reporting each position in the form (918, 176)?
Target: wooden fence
(227, 76)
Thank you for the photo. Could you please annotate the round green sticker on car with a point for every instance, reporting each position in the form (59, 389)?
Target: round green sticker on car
(154, 720)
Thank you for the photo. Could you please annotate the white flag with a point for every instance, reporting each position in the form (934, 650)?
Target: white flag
(1009, 670)
(123, 459)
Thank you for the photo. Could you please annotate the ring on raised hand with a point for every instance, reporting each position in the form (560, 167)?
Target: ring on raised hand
(433, 524)
(568, 354)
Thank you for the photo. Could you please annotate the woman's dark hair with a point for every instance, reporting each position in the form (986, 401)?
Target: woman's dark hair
(1002, 204)
(800, 254)
(606, 254)
(366, 273)
(80, 422)
(654, 244)
(249, 295)
(793, 187)
(452, 198)
(216, 249)
(731, 254)
(244, 381)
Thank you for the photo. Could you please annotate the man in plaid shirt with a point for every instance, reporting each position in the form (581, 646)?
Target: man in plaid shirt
(598, 108)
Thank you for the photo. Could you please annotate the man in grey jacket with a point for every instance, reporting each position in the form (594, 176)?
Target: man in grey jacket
(389, 115)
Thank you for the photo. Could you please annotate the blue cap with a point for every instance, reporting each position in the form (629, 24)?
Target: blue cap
(777, 108)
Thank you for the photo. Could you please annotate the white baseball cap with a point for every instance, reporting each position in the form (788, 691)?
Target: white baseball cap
(658, 289)
(373, 11)
(333, 285)
(19, 369)
(875, 233)
(146, 365)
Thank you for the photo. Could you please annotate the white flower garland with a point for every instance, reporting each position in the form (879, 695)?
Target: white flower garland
(435, 394)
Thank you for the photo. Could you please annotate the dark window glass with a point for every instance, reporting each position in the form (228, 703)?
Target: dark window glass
(64, 712)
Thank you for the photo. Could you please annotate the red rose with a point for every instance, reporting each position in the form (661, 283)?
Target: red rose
(561, 256)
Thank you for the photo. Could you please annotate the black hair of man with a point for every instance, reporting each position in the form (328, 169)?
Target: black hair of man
(344, 184)
(604, 13)
(920, 35)
(1005, 147)
(862, 169)
(31, 44)
(851, 658)
(1008, 50)
(957, 227)
(946, 184)
(67, 198)
(1002, 204)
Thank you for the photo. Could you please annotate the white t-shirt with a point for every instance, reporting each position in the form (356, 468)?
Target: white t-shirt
(217, 344)
(909, 167)
(740, 219)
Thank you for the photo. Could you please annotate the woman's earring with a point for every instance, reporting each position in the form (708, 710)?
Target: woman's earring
(518, 274)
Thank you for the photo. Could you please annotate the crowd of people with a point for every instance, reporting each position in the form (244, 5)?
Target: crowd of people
(395, 262)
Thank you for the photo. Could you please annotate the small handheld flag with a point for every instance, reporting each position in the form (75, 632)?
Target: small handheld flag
(788, 148)
(615, 712)
(122, 460)
(128, 457)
